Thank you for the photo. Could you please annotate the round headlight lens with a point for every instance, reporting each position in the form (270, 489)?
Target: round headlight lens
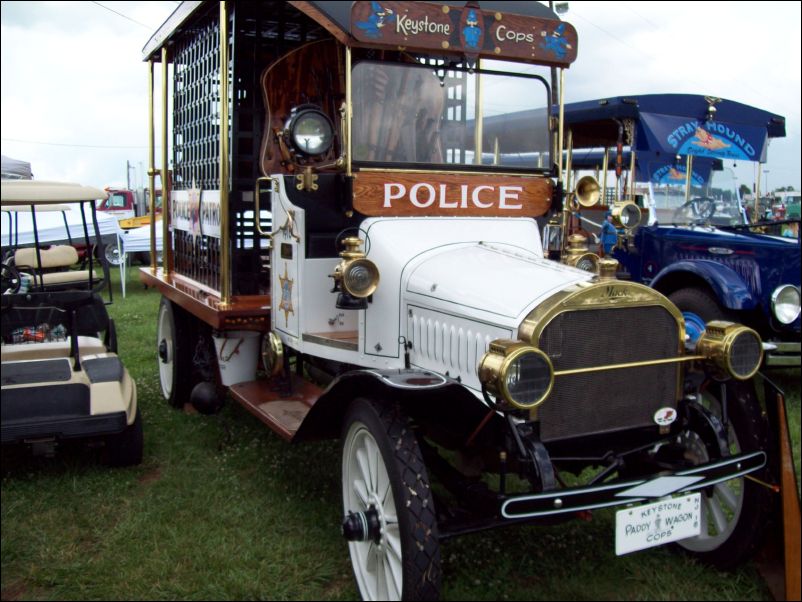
(785, 303)
(628, 215)
(310, 132)
(527, 377)
(746, 353)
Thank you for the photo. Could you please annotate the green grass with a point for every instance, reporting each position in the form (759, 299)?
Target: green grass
(221, 508)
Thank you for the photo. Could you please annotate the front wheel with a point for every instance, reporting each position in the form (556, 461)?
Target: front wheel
(390, 521)
(734, 512)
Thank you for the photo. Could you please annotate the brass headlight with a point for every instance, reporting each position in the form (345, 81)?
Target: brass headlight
(626, 215)
(272, 354)
(520, 374)
(733, 349)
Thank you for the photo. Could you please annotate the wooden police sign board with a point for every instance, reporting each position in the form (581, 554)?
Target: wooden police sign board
(467, 30)
(427, 194)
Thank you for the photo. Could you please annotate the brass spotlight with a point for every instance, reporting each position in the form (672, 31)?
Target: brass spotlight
(587, 191)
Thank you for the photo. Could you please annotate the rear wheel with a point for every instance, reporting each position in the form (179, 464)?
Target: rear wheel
(174, 347)
(734, 512)
(389, 511)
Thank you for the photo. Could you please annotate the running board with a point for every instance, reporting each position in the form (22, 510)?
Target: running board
(281, 410)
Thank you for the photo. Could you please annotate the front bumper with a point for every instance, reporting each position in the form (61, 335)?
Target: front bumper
(784, 354)
(578, 499)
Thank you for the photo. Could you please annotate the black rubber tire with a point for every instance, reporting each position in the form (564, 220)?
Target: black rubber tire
(700, 302)
(175, 359)
(731, 547)
(125, 449)
(409, 484)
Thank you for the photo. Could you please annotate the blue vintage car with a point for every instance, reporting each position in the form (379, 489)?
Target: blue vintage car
(694, 241)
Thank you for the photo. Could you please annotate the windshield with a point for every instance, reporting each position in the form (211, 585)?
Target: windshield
(411, 113)
(712, 201)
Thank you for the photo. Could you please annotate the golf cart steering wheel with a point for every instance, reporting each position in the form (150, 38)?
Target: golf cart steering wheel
(11, 280)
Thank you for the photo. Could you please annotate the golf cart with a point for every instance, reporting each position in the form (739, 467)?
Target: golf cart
(61, 376)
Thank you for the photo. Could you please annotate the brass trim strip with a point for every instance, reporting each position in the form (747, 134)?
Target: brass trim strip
(670, 360)
(329, 342)
(225, 260)
(688, 176)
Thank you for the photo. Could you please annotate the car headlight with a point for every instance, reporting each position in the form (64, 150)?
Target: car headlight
(520, 374)
(626, 215)
(309, 131)
(733, 350)
(785, 303)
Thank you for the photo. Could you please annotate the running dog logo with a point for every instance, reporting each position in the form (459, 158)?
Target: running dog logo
(707, 140)
(378, 19)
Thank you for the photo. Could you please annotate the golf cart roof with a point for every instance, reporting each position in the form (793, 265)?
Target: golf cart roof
(677, 124)
(36, 192)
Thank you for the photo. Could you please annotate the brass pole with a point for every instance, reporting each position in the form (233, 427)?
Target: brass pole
(756, 212)
(632, 174)
(688, 172)
(569, 163)
(225, 260)
(152, 169)
(348, 111)
(560, 128)
(167, 243)
(478, 118)
(605, 167)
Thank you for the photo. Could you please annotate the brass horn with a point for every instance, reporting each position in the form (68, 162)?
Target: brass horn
(587, 192)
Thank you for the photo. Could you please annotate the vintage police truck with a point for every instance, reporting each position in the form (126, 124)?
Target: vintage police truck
(400, 299)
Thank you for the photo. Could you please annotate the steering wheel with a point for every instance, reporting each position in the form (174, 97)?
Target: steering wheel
(702, 209)
(11, 280)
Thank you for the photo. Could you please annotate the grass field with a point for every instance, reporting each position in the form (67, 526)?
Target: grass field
(223, 509)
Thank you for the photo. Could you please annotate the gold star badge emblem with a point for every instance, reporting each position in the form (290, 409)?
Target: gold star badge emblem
(286, 296)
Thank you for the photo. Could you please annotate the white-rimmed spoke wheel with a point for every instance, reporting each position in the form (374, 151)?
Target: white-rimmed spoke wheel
(173, 345)
(733, 512)
(389, 519)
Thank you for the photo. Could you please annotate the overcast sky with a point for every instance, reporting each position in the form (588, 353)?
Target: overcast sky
(74, 88)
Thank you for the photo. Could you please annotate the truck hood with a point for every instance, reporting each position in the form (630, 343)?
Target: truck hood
(490, 281)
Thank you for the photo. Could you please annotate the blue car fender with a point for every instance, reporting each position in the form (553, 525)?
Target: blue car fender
(731, 289)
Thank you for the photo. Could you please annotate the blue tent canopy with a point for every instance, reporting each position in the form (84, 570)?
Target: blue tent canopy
(677, 124)
(659, 168)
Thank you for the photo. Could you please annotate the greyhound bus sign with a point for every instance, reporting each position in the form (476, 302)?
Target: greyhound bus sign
(468, 29)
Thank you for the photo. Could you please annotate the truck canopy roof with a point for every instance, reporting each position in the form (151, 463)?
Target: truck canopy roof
(678, 124)
(336, 17)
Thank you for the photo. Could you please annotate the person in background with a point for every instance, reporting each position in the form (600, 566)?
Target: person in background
(608, 235)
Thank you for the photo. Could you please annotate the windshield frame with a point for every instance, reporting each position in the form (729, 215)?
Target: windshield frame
(550, 170)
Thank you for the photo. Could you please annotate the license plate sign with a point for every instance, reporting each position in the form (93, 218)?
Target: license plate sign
(655, 524)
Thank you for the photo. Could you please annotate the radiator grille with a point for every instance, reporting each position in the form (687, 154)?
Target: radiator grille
(600, 402)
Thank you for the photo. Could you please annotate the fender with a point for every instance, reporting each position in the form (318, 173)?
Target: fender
(729, 287)
(427, 397)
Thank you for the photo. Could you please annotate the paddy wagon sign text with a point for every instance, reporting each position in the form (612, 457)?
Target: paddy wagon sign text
(450, 195)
